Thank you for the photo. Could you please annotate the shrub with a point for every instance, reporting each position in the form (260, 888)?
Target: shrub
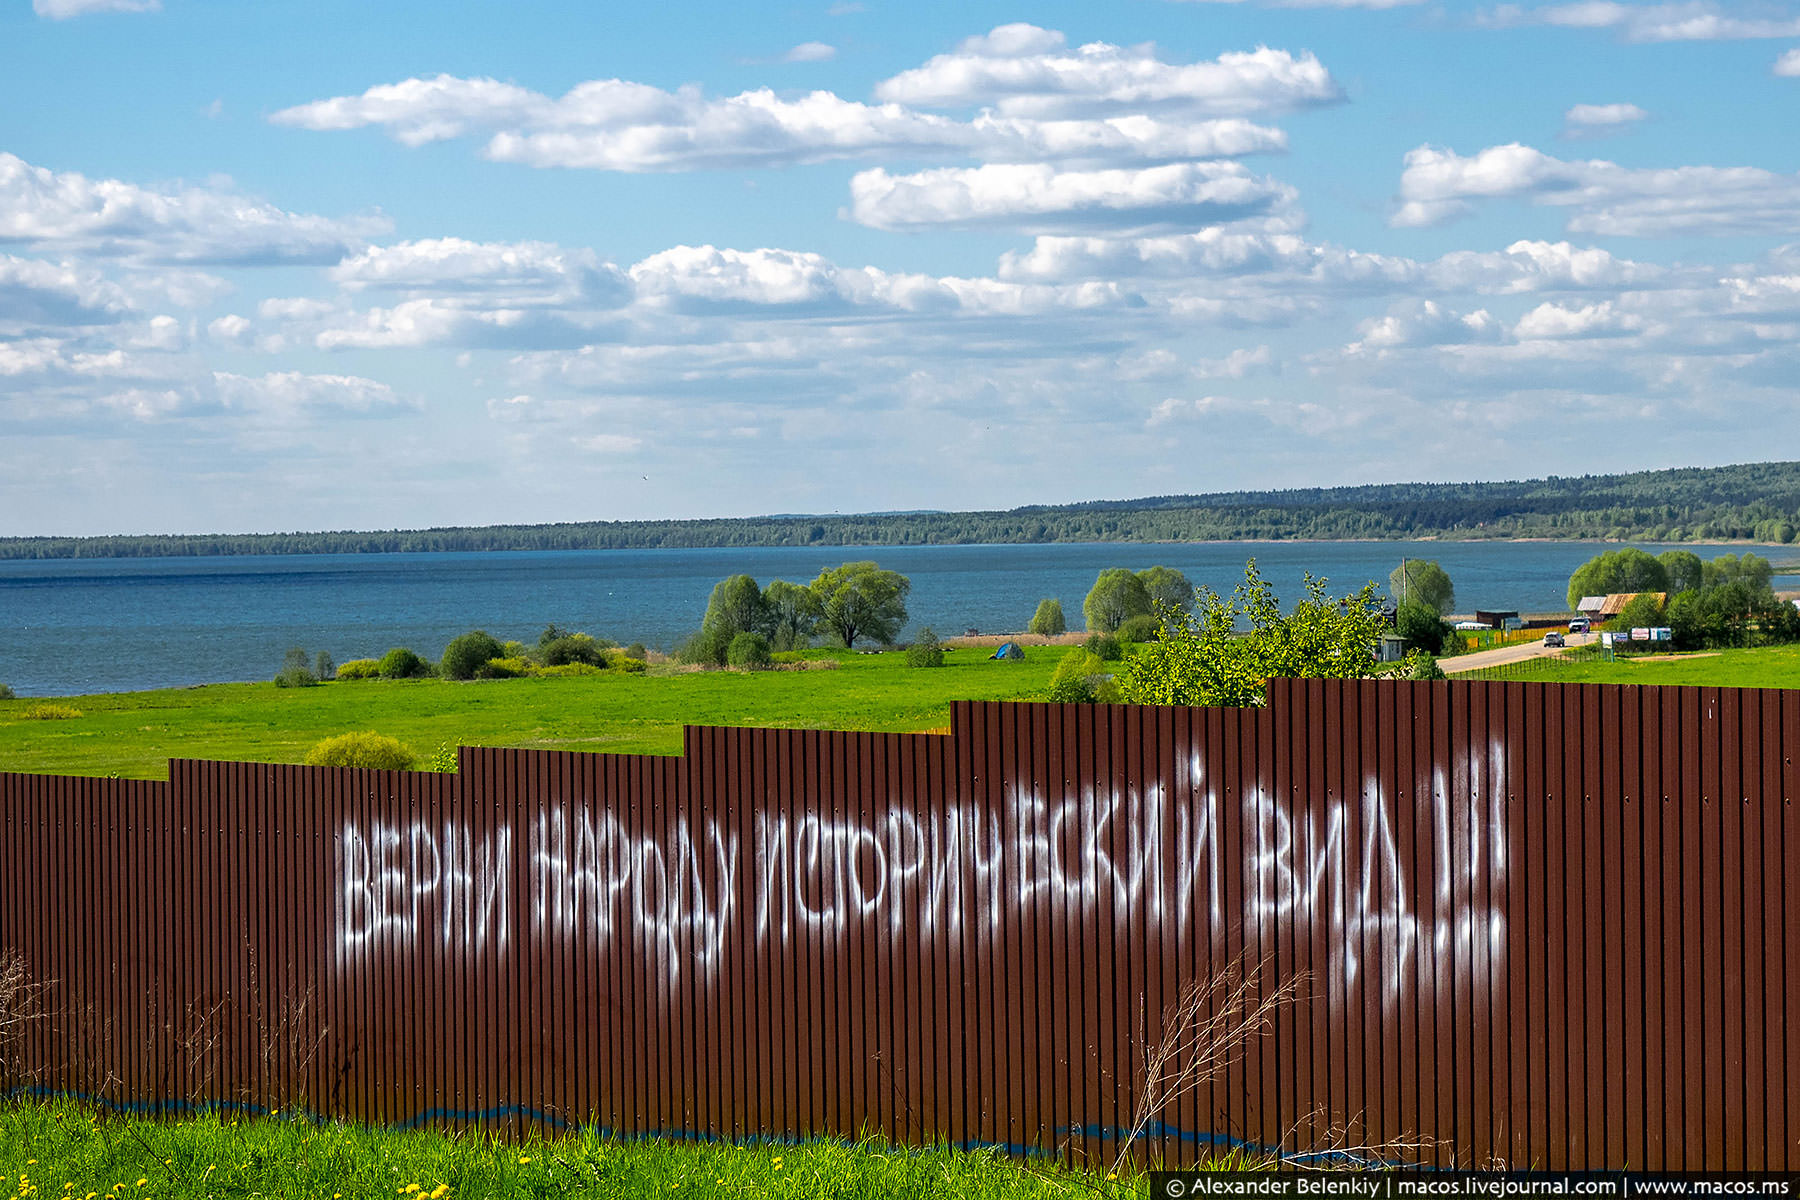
(750, 651)
(706, 648)
(50, 712)
(368, 749)
(323, 667)
(627, 663)
(466, 653)
(926, 650)
(443, 759)
(401, 663)
(359, 668)
(1104, 646)
(6, 693)
(503, 668)
(636, 650)
(1048, 620)
(295, 671)
(565, 671)
(1081, 678)
(572, 648)
(1138, 630)
(1419, 665)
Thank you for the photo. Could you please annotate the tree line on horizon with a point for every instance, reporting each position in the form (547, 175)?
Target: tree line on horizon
(1754, 502)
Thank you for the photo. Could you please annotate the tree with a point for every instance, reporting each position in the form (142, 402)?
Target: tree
(1048, 619)
(793, 614)
(860, 599)
(1167, 588)
(749, 651)
(1682, 571)
(1422, 628)
(1117, 596)
(1642, 611)
(467, 653)
(1614, 571)
(1753, 570)
(1422, 581)
(295, 671)
(1081, 678)
(1203, 659)
(735, 606)
(926, 650)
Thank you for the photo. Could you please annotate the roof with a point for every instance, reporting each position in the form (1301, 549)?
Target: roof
(1616, 602)
(1591, 604)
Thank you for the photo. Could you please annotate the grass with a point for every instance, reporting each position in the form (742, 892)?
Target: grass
(59, 1148)
(132, 734)
(1764, 667)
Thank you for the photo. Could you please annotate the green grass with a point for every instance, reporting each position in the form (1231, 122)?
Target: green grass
(1764, 667)
(59, 1148)
(132, 734)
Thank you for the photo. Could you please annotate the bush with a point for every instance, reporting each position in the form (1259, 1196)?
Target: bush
(1048, 620)
(359, 668)
(630, 665)
(750, 651)
(1104, 646)
(636, 650)
(706, 648)
(503, 668)
(1419, 665)
(1138, 630)
(1075, 678)
(6, 692)
(443, 759)
(401, 663)
(295, 671)
(566, 671)
(373, 750)
(1423, 629)
(926, 650)
(467, 653)
(572, 648)
(50, 712)
(324, 668)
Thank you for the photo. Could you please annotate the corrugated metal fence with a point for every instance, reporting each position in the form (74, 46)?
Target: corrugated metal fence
(1540, 924)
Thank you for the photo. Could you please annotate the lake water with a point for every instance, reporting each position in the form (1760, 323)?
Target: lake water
(101, 625)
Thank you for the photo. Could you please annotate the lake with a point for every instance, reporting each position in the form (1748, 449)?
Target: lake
(102, 625)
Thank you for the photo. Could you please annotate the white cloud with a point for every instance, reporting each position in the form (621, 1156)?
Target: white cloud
(1699, 20)
(609, 443)
(1037, 198)
(1440, 185)
(231, 328)
(1022, 70)
(1591, 320)
(810, 52)
(111, 218)
(1592, 120)
(1425, 323)
(1789, 64)
(295, 396)
(62, 10)
(36, 295)
(520, 272)
(613, 125)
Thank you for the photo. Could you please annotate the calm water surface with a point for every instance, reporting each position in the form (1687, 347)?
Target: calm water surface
(102, 625)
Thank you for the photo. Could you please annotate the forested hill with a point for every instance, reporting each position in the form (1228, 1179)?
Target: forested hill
(1756, 501)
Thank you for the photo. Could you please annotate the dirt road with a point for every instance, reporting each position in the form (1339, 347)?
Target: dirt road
(1508, 654)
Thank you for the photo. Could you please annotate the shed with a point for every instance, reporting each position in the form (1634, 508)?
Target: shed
(1616, 601)
(1591, 605)
(1496, 618)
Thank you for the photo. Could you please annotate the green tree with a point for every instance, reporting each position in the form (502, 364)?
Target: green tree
(860, 599)
(1422, 628)
(749, 651)
(295, 670)
(1048, 619)
(1204, 660)
(735, 606)
(1753, 570)
(467, 653)
(1422, 581)
(1167, 588)
(1624, 570)
(1682, 570)
(1642, 611)
(926, 650)
(1116, 597)
(793, 614)
(402, 663)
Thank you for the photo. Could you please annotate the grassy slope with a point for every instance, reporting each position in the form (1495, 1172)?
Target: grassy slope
(134, 733)
(59, 1149)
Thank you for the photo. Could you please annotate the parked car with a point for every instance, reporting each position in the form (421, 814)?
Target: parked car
(1578, 625)
(1553, 638)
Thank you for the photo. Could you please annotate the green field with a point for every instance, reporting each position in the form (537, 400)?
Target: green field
(59, 1149)
(1765, 667)
(132, 734)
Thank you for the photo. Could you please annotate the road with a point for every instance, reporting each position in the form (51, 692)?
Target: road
(1508, 654)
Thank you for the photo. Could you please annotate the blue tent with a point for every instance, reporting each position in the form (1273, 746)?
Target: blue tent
(1009, 650)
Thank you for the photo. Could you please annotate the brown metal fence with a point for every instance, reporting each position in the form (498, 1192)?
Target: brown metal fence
(1546, 925)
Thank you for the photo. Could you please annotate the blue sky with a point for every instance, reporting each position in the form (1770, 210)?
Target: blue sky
(280, 266)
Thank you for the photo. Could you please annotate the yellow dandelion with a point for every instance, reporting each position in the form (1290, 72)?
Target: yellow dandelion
(438, 1192)
(412, 1187)
(524, 1158)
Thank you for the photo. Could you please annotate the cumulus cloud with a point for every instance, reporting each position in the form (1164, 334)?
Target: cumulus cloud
(1440, 185)
(525, 273)
(1022, 70)
(293, 395)
(211, 225)
(41, 295)
(1594, 120)
(1698, 20)
(62, 10)
(1590, 320)
(614, 125)
(1789, 64)
(810, 52)
(1425, 323)
(1038, 198)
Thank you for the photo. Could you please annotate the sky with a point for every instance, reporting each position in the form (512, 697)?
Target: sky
(331, 265)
